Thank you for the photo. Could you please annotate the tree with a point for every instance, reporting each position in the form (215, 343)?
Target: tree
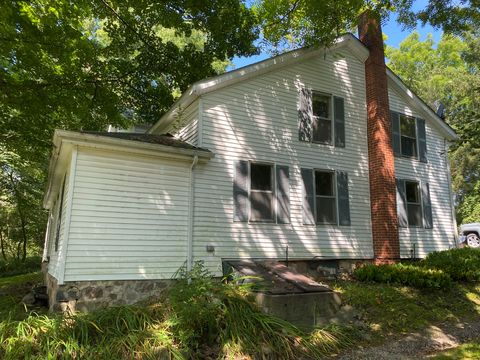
(293, 23)
(449, 74)
(86, 64)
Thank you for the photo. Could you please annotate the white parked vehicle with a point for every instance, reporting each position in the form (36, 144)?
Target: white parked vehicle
(470, 234)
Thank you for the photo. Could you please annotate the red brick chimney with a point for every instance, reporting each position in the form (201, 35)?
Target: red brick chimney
(380, 153)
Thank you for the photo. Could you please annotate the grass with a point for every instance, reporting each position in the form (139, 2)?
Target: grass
(389, 309)
(469, 350)
(12, 290)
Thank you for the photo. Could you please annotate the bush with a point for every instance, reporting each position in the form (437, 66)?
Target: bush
(409, 275)
(461, 264)
(17, 267)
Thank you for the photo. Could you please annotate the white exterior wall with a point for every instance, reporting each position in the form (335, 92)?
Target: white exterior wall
(54, 263)
(128, 218)
(257, 120)
(189, 132)
(435, 172)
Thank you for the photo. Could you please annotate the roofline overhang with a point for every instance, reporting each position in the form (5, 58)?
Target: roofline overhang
(208, 85)
(64, 141)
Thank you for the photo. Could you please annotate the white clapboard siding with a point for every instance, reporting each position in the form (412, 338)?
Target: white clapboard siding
(129, 217)
(54, 262)
(189, 117)
(434, 172)
(257, 120)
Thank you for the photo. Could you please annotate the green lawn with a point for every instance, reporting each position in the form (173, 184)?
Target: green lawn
(465, 351)
(12, 290)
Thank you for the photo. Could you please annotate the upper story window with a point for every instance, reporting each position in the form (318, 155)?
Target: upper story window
(322, 118)
(325, 197)
(408, 134)
(261, 192)
(409, 137)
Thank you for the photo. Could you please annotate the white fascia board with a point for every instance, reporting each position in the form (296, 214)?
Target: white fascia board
(411, 98)
(232, 77)
(64, 141)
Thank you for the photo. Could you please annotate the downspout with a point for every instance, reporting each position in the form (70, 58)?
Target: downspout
(191, 212)
(452, 206)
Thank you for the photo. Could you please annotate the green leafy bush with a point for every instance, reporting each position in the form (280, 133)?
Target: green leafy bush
(17, 267)
(461, 264)
(409, 275)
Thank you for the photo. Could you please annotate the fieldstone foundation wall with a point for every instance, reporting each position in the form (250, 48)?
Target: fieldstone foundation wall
(92, 295)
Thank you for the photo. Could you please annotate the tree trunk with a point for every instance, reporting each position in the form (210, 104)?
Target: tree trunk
(22, 220)
(2, 244)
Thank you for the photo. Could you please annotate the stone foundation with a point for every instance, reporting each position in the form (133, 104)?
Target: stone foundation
(92, 295)
(321, 269)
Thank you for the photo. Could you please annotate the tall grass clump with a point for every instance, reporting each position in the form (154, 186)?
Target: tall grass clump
(462, 264)
(198, 317)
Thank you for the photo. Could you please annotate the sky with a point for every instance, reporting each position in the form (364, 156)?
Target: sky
(391, 28)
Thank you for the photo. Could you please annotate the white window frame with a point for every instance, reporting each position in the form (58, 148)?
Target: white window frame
(331, 108)
(401, 135)
(274, 203)
(420, 199)
(335, 195)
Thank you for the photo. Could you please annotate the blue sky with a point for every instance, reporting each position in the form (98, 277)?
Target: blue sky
(392, 29)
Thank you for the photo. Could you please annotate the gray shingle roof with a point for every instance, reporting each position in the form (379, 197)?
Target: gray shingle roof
(166, 140)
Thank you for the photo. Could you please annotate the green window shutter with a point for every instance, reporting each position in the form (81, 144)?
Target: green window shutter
(343, 199)
(339, 118)
(395, 125)
(283, 194)
(240, 191)
(305, 115)
(427, 206)
(401, 204)
(422, 140)
(308, 197)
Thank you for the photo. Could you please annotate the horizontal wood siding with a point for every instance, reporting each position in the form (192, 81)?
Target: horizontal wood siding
(128, 217)
(441, 236)
(257, 120)
(189, 132)
(54, 263)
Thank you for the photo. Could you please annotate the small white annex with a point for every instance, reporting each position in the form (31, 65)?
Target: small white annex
(266, 157)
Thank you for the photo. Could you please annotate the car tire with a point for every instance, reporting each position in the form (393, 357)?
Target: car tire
(473, 240)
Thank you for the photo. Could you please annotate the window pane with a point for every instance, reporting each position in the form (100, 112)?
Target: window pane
(414, 215)
(407, 126)
(321, 105)
(322, 131)
(324, 183)
(261, 206)
(261, 177)
(412, 192)
(409, 147)
(326, 210)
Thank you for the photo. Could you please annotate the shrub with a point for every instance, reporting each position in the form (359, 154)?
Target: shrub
(409, 275)
(461, 264)
(17, 267)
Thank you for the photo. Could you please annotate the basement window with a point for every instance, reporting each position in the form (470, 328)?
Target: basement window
(325, 197)
(414, 207)
(408, 135)
(322, 118)
(261, 192)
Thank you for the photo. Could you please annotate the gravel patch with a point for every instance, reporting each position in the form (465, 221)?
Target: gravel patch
(420, 344)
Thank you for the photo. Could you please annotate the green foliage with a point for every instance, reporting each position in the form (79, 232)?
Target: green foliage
(198, 318)
(461, 264)
(409, 275)
(16, 266)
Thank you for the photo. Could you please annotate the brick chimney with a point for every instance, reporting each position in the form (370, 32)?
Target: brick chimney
(380, 153)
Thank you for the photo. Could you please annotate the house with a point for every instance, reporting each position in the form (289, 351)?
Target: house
(318, 153)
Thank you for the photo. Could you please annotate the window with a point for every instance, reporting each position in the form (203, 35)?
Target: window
(261, 192)
(408, 136)
(322, 118)
(414, 207)
(325, 198)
